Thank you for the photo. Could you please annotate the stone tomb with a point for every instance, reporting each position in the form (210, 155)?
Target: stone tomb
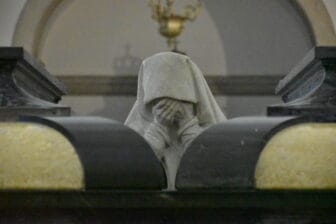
(274, 169)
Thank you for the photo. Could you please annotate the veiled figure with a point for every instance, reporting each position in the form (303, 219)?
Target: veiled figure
(174, 104)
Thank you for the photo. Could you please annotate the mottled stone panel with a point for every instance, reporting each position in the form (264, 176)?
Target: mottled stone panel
(113, 155)
(299, 157)
(225, 155)
(35, 157)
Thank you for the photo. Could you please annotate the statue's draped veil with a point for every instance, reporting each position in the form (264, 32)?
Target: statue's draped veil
(175, 76)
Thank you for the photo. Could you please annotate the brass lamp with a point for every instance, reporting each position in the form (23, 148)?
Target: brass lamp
(171, 24)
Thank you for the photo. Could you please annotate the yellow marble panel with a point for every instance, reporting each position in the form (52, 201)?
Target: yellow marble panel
(34, 156)
(299, 157)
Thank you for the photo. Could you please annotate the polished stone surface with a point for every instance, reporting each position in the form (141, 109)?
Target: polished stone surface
(225, 155)
(113, 156)
(226, 206)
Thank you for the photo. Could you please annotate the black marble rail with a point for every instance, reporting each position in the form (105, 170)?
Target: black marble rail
(229, 206)
(112, 155)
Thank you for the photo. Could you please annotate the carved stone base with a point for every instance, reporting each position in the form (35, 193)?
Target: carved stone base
(26, 88)
(310, 88)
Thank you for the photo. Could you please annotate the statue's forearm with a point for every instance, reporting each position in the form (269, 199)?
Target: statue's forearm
(157, 136)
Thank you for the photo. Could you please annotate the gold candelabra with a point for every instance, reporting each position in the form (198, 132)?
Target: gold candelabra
(171, 24)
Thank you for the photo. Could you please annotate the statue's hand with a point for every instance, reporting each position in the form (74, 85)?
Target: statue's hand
(158, 138)
(185, 114)
(165, 111)
(189, 126)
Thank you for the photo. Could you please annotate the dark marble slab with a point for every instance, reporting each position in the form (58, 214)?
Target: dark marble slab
(310, 88)
(226, 206)
(113, 156)
(26, 87)
(225, 155)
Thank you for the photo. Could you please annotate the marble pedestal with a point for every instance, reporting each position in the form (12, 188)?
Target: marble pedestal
(26, 87)
(310, 88)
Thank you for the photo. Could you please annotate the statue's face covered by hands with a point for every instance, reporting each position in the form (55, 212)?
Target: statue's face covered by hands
(172, 118)
(169, 111)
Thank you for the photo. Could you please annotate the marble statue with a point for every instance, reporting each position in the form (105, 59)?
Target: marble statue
(174, 104)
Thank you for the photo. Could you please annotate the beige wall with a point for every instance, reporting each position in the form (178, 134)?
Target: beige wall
(85, 37)
(331, 7)
(11, 9)
(88, 37)
(9, 14)
(259, 37)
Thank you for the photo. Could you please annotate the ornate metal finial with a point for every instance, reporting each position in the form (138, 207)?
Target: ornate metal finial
(171, 24)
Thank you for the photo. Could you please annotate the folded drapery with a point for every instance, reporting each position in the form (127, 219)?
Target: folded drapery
(177, 84)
